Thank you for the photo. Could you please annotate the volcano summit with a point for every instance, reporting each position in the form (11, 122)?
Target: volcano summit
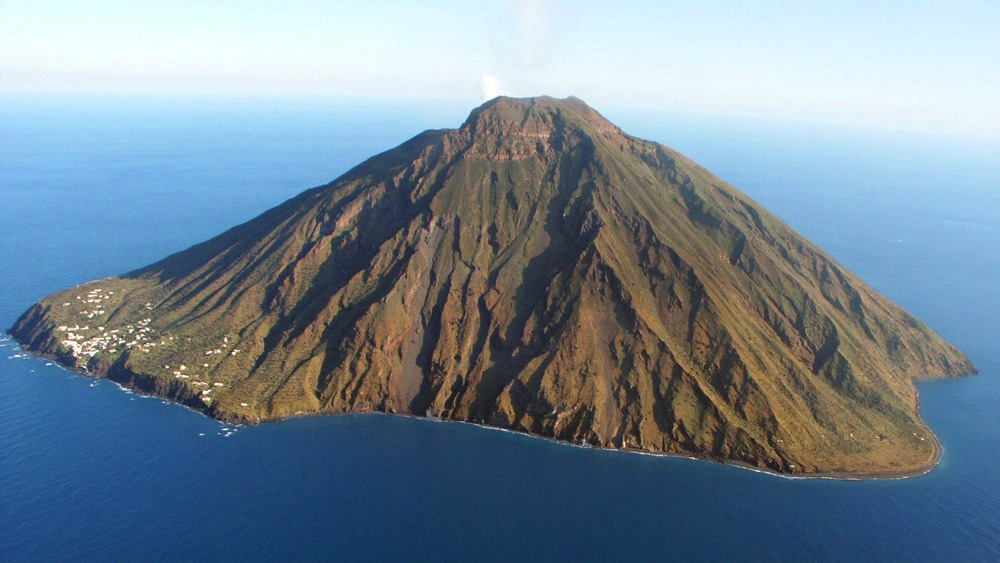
(536, 269)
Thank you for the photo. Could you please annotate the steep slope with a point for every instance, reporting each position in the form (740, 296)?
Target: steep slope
(536, 269)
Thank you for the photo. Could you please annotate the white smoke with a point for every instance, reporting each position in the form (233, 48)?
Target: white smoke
(490, 87)
(534, 21)
(526, 46)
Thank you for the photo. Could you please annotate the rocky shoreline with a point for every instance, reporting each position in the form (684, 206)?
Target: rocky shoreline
(151, 386)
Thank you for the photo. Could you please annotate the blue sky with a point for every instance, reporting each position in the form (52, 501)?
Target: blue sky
(930, 66)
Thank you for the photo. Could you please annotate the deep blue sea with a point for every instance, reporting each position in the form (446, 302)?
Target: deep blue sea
(92, 187)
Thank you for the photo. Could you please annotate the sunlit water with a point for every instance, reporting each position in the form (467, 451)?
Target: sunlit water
(90, 472)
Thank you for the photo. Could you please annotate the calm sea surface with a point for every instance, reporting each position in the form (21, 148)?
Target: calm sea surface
(91, 188)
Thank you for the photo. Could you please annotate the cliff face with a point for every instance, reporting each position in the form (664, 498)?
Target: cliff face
(536, 269)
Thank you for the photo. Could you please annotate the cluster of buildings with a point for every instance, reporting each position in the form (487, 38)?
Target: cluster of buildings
(84, 341)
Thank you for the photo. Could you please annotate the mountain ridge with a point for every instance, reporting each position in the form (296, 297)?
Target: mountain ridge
(535, 269)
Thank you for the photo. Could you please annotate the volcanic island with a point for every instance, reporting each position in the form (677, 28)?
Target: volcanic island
(538, 270)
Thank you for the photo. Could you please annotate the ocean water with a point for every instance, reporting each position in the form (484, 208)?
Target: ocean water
(93, 187)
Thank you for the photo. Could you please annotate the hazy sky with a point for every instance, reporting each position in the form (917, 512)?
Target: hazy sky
(907, 64)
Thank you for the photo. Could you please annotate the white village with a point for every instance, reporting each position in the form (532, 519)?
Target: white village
(84, 342)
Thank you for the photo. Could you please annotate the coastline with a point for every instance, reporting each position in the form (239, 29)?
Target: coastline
(128, 385)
